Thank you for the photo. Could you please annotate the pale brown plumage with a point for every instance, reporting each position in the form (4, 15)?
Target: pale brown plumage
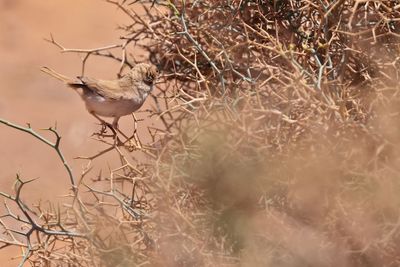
(113, 98)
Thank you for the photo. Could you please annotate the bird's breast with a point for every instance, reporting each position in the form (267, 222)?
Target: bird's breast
(112, 107)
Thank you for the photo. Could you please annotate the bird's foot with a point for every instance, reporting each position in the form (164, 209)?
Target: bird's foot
(103, 131)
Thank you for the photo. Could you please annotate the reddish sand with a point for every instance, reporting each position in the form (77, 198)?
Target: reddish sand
(27, 95)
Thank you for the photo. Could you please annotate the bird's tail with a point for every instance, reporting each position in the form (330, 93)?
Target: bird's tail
(63, 78)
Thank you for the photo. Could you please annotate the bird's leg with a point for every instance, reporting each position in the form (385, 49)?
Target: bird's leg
(104, 125)
(135, 135)
(115, 125)
(115, 122)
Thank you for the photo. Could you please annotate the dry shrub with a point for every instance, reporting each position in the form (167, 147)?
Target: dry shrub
(278, 144)
(291, 158)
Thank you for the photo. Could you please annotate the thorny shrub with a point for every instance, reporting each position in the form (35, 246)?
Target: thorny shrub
(278, 145)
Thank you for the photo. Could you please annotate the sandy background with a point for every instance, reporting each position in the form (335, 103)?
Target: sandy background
(27, 95)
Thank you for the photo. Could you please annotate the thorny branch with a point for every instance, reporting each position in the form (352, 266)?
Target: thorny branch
(55, 145)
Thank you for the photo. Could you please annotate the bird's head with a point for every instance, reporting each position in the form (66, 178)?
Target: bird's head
(147, 72)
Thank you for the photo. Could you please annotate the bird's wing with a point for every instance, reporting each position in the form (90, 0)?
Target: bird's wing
(113, 89)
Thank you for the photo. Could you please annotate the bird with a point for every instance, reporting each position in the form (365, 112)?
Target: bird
(112, 98)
